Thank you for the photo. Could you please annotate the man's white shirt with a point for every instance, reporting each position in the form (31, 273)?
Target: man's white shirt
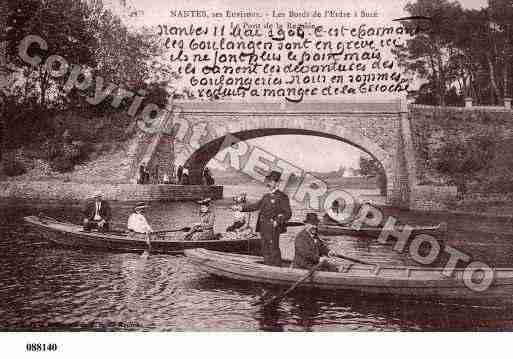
(138, 223)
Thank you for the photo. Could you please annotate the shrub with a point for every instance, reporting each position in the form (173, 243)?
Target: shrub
(14, 168)
(62, 164)
(499, 184)
(64, 156)
(82, 151)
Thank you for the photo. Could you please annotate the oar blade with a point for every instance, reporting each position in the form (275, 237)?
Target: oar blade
(294, 224)
(183, 229)
(278, 298)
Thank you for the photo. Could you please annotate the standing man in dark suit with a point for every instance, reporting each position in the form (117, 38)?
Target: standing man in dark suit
(97, 214)
(272, 220)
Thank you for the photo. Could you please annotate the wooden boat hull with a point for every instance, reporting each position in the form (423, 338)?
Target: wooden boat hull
(73, 236)
(374, 232)
(405, 281)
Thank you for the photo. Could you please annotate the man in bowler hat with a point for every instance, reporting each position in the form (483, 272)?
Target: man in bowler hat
(274, 213)
(310, 250)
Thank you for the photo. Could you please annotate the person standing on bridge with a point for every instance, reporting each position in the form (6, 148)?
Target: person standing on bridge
(185, 176)
(208, 178)
(272, 220)
(179, 173)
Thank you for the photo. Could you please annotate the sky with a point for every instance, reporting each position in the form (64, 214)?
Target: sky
(308, 152)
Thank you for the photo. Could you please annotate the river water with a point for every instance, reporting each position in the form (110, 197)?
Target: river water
(47, 287)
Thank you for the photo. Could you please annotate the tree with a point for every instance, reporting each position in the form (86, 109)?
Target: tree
(371, 167)
(460, 159)
(461, 52)
(62, 24)
(427, 53)
(500, 15)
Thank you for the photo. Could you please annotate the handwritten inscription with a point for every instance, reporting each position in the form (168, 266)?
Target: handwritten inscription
(294, 61)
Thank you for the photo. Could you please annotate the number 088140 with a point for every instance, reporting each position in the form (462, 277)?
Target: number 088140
(41, 347)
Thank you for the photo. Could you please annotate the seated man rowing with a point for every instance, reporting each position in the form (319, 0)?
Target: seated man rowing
(309, 248)
(97, 214)
(138, 225)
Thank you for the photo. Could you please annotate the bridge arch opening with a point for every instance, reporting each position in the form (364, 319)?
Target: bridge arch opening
(235, 149)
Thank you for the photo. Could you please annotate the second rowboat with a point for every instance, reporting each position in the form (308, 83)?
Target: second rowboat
(72, 235)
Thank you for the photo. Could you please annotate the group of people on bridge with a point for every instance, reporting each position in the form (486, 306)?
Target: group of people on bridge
(181, 176)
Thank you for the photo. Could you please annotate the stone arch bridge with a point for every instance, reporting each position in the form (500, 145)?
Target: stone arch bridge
(381, 129)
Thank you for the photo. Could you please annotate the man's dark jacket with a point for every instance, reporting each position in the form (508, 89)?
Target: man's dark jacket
(306, 252)
(272, 206)
(90, 209)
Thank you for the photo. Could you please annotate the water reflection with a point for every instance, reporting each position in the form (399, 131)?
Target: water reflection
(268, 318)
(305, 311)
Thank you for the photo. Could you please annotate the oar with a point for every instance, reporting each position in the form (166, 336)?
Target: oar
(46, 218)
(352, 259)
(249, 240)
(184, 229)
(277, 299)
(294, 224)
(147, 251)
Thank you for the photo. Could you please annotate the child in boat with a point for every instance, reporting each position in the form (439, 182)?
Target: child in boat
(204, 229)
(239, 221)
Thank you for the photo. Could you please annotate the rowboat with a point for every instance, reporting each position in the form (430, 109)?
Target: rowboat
(421, 282)
(72, 235)
(374, 232)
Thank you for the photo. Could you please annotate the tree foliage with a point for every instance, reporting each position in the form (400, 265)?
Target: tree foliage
(460, 51)
(83, 32)
(371, 167)
(62, 24)
(462, 159)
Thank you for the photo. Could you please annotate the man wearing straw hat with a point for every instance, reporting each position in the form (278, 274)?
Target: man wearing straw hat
(137, 223)
(97, 213)
(272, 219)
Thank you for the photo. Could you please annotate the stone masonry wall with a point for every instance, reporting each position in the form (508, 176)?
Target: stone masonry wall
(382, 131)
(119, 192)
(433, 126)
(377, 128)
